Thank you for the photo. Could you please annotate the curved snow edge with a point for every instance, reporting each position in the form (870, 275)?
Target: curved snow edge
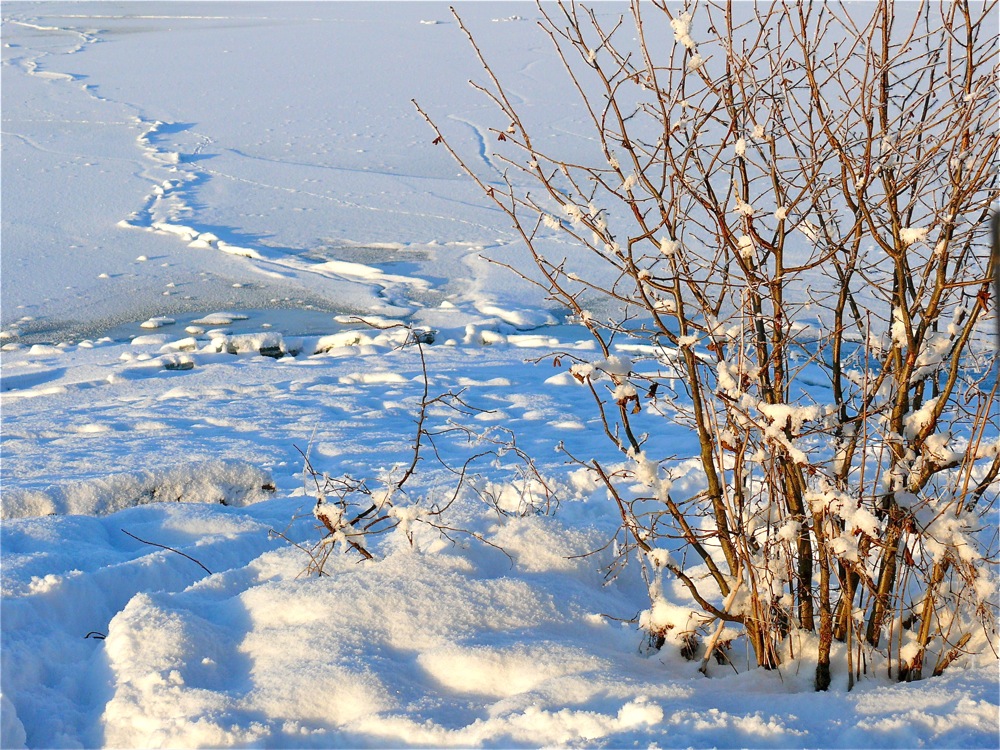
(221, 482)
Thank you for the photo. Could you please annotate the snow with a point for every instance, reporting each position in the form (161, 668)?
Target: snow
(157, 322)
(681, 25)
(668, 246)
(223, 482)
(910, 235)
(218, 219)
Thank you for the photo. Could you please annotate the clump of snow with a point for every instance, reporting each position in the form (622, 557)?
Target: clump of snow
(661, 558)
(44, 350)
(790, 416)
(674, 622)
(574, 212)
(916, 421)
(855, 519)
(485, 335)
(158, 322)
(616, 365)
(685, 342)
(668, 246)
(936, 445)
(218, 319)
(681, 25)
(624, 392)
(912, 235)
(581, 372)
(647, 472)
(152, 339)
(270, 342)
(340, 340)
(640, 712)
(187, 344)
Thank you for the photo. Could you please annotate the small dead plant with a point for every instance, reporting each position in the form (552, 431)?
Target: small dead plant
(352, 512)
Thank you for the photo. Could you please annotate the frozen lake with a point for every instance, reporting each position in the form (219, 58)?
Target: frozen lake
(246, 155)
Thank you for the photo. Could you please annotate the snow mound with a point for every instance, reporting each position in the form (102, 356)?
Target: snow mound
(219, 319)
(504, 672)
(523, 320)
(12, 733)
(149, 647)
(268, 343)
(224, 482)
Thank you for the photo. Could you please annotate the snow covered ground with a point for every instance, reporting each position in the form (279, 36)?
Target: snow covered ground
(192, 190)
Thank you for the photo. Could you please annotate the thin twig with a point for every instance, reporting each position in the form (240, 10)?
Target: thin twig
(171, 549)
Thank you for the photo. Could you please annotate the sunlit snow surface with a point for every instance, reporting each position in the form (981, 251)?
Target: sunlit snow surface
(157, 155)
(186, 183)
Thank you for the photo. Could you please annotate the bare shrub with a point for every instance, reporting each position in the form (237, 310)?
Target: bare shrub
(782, 213)
(353, 512)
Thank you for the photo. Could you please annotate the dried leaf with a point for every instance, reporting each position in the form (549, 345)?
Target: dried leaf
(984, 298)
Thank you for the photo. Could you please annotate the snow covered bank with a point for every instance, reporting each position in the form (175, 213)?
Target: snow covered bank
(222, 482)
(442, 643)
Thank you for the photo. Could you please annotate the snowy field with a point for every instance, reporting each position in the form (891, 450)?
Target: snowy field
(199, 200)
